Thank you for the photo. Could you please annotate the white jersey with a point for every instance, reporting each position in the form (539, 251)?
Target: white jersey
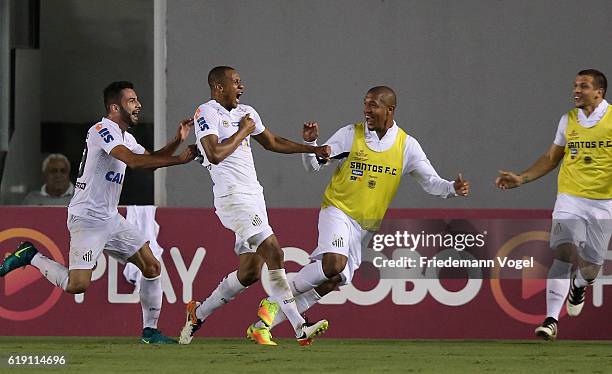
(100, 178)
(236, 173)
(415, 160)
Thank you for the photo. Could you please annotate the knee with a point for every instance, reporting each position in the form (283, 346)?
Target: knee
(77, 286)
(333, 266)
(151, 270)
(270, 250)
(329, 285)
(249, 276)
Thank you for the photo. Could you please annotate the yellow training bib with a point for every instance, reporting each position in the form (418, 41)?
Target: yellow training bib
(364, 185)
(587, 164)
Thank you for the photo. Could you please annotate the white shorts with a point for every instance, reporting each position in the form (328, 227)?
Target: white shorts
(88, 238)
(246, 216)
(586, 223)
(339, 233)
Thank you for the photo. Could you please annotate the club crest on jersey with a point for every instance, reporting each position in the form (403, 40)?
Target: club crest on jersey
(361, 155)
(104, 133)
(372, 184)
(226, 124)
(113, 177)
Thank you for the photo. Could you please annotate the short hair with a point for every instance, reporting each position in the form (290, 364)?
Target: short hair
(599, 79)
(387, 95)
(217, 74)
(55, 156)
(112, 93)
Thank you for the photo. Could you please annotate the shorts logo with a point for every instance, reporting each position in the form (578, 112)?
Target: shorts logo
(557, 228)
(87, 256)
(371, 184)
(202, 124)
(588, 159)
(256, 221)
(338, 241)
(104, 133)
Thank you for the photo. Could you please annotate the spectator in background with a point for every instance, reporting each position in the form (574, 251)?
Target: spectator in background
(58, 189)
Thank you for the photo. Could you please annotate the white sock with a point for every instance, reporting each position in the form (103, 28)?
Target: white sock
(150, 300)
(54, 272)
(225, 292)
(281, 294)
(309, 277)
(557, 287)
(580, 281)
(303, 302)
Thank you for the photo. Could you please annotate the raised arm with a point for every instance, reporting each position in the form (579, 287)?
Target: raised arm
(217, 152)
(184, 127)
(543, 165)
(339, 145)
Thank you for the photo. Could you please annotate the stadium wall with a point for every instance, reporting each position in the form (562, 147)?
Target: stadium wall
(481, 84)
(198, 253)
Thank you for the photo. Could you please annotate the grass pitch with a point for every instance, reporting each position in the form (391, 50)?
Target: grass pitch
(125, 355)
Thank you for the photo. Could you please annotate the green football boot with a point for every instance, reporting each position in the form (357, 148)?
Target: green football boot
(21, 258)
(154, 336)
(260, 335)
(267, 311)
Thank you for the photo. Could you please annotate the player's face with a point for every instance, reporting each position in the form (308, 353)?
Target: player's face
(56, 175)
(585, 93)
(376, 112)
(232, 88)
(130, 107)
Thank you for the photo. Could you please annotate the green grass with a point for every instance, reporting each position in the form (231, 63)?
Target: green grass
(125, 355)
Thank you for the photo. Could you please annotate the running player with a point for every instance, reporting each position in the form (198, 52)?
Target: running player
(582, 217)
(373, 156)
(94, 223)
(224, 129)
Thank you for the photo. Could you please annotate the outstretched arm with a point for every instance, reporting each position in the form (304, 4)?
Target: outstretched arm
(148, 161)
(543, 165)
(417, 164)
(275, 143)
(184, 127)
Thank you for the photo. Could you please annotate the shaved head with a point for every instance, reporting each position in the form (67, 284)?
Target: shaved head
(218, 75)
(386, 94)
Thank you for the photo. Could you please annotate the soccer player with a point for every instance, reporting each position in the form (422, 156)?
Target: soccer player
(581, 225)
(372, 157)
(224, 130)
(94, 223)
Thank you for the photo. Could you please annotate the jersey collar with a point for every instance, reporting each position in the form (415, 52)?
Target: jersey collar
(598, 113)
(371, 136)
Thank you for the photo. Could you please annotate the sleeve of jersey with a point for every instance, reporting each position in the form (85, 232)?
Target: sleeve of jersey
(259, 126)
(560, 135)
(206, 121)
(417, 165)
(340, 144)
(135, 146)
(107, 137)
